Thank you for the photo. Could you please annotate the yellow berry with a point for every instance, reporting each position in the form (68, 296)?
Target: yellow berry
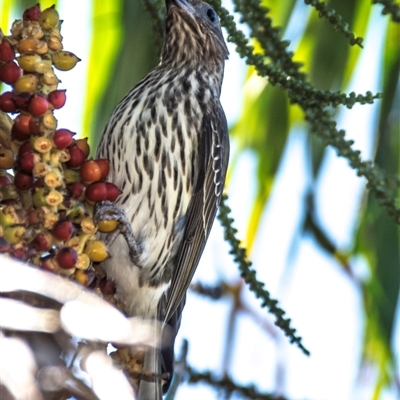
(55, 33)
(41, 47)
(49, 18)
(96, 250)
(27, 45)
(49, 78)
(49, 121)
(26, 83)
(107, 226)
(83, 261)
(8, 218)
(81, 276)
(55, 44)
(13, 234)
(54, 198)
(28, 62)
(64, 60)
(43, 67)
(88, 226)
(40, 170)
(42, 144)
(53, 179)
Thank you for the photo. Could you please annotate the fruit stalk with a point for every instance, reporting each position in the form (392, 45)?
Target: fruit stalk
(48, 186)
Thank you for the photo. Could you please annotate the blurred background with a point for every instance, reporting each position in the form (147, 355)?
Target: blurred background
(324, 247)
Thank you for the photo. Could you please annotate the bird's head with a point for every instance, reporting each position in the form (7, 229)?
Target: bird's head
(192, 33)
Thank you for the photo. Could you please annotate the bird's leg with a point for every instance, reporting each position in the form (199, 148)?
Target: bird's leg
(106, 211)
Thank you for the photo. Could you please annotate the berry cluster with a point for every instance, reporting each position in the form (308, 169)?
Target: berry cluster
(46, 201)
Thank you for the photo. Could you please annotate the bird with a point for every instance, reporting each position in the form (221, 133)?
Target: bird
(168, 146)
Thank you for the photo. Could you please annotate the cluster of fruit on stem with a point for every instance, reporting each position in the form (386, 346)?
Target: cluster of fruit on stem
(48, 186)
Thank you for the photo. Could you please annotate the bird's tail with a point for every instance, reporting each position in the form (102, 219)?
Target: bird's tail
(150, 386)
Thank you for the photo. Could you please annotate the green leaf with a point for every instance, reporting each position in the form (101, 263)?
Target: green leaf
(333, 60)
(5, 15)
(105, 44)
(133, 54)
(280, 11)
(262, 128)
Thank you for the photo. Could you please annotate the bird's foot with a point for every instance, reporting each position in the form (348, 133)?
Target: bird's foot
(107, 211)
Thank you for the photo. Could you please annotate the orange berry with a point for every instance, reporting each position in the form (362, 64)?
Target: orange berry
(6, 158)
(104, 165)
(84, 146)
(90, 171)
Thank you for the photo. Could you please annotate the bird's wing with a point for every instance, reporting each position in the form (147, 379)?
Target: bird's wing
(200, 215)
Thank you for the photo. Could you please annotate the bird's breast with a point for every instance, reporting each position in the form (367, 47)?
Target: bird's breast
(157, 159)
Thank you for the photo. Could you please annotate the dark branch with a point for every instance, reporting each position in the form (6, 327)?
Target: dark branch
(229, 386)
(249, 275)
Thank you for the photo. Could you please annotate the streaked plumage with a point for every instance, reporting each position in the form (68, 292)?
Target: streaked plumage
(168, 147)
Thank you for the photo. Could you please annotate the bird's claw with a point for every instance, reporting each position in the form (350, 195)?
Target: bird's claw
(106, 211)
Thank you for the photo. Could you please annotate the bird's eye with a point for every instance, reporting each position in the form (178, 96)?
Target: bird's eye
(211, 15)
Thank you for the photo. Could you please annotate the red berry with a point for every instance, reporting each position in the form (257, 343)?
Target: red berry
(38, 105)
(18, 135)
(31, 13)
(90, 171)
(27, 161)
(84, 146)
(77, 190)
(67, 257)
(21, 124)
(96, 191)
(34, 126)
(42, 241)
(20, 253)
(10, 72)
(77, 157)
(6, 103)
(38, 184)
(104, 165)
(23, 180)
(26, 146)
(63, 230)
(62, 138)
(4, 245)
(21, 100)
(6, 51)
(33, 217)
(4, 180)
(57, 98)
(112, 191)
(107, 287)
